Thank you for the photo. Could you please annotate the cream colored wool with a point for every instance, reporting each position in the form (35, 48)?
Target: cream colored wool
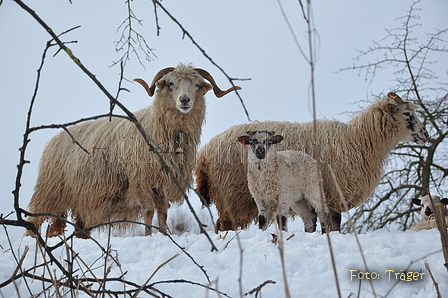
(356, 150)
(428, 224)
(121, 178)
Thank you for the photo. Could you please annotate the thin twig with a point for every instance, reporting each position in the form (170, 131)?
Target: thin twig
(155, 271)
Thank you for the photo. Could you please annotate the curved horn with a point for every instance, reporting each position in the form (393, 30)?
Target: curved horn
(395, 97)
(218, 92)
(158, 76)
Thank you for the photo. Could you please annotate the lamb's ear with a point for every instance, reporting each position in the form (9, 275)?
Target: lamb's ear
(417, 202)
(277, 139)
(444, 201)
(243, 140)
(391, 108)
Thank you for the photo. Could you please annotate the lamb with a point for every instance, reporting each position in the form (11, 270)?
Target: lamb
(282, 180)
(121, 178)
(356, 152)
(427, 212)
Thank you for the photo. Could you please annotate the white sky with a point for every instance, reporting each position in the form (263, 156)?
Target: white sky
(248, 39)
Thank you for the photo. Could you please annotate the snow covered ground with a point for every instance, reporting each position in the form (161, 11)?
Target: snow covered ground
(308, 268)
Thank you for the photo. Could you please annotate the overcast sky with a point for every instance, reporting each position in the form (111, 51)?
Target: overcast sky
(248, 39)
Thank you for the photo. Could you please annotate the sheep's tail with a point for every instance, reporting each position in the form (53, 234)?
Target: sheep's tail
(202, 185)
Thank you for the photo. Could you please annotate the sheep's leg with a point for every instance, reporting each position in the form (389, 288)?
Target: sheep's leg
(307, 214)
(322, 216)
(162, 215)
(42, 206)
(56, 227)
(80, 227)
(335, 219)
(148, 216)
(162, 206)
(37, 221)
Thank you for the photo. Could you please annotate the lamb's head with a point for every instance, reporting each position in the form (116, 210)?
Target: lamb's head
(184, 84)
(427, 208)
(260, 141)
(413, 129)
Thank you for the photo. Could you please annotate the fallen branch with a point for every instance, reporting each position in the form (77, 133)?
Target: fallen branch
(256, 290)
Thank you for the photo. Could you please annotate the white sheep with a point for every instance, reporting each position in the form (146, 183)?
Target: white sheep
(121, 178)
(427, 212)
(356, 151)
(282, 180)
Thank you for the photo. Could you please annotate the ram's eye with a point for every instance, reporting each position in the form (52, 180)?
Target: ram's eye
(171, 84)
(407, 114)
(198, 86)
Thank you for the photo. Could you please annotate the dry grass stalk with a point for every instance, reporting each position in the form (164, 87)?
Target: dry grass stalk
(228, 242)
(282, 259)
(19, 265)
(351, 224)
(436, 285)
(225, 235)
(441, 226)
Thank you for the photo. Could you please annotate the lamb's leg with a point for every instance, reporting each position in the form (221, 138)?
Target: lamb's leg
(282, 222)
(284, 202)
(307, 214)
(262, 222)
(263, 214)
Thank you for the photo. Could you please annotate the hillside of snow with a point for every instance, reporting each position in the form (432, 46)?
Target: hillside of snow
(251, 255)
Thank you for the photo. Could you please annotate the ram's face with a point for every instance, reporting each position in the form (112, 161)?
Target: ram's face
(416, 131)
(184, 92)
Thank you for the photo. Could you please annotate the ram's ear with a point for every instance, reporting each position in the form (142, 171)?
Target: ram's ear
(391, 108)
(243, 140)
(417, 202)
(161, 83)
(277, 139)
(206, 87)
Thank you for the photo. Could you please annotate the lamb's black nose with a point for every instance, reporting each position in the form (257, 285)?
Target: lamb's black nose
(260, 152)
